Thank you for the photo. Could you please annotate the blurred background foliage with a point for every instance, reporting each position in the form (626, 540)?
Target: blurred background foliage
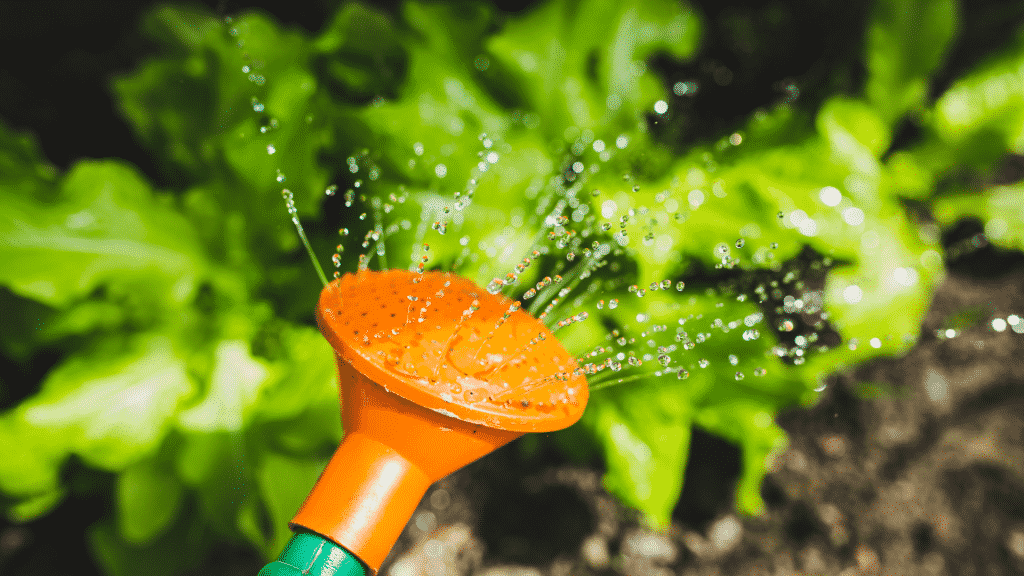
(162, 375)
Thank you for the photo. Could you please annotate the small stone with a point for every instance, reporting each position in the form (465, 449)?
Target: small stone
(1015, 543)
(595, 552)
(834, 445)
(726, 533)
(867, 560)
(698, 546)
(440, 499)
(438, 554)
(649, 545)
(813, 561)
(936, 387)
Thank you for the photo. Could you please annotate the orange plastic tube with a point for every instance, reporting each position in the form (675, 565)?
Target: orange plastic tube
(393, 451)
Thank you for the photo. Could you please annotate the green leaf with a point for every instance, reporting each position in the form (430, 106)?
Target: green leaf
(906, 43)
(360, 54)
(224, 126)
(220, 468)
(582, 63)
(306, 373)
(113, 406)
(35, 506)
(23, 170)
(751, 425)
(645, 432)
(894, 273)
(853, 128)
(284, 483)
(149, 497)
(180, 550)
(232, 392)
(981, 116)
(1000, 209)
(106, 227)
(31, 462)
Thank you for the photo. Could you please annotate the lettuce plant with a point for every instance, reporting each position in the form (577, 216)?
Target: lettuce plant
(733, 276)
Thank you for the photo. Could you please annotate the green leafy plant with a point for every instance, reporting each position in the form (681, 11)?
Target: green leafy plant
(743, 270)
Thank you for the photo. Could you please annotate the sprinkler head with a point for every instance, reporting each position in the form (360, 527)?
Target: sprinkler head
(435, 372)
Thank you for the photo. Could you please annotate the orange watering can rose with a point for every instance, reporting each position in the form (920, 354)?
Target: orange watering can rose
(435, 372)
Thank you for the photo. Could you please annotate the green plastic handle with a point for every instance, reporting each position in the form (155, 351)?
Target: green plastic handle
(311, 554)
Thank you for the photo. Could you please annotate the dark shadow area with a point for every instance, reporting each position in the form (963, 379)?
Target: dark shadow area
(57, 543)
(742, 66)
(529, 522)
(712, 471)
(969, 253)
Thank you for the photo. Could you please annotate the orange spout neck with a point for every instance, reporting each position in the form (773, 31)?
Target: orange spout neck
(392, 452)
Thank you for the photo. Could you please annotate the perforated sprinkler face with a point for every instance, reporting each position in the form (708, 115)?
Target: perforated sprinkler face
(442, 342)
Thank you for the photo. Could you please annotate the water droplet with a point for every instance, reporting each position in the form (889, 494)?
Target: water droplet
(331, 190)
(703, 362)
(760, 372)
(682, 374)
(740, 243)
(773, 245)
(739, 376)
(680, 285)
(613, 303)
(271, 149)
(786, 325)
(257, 106)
